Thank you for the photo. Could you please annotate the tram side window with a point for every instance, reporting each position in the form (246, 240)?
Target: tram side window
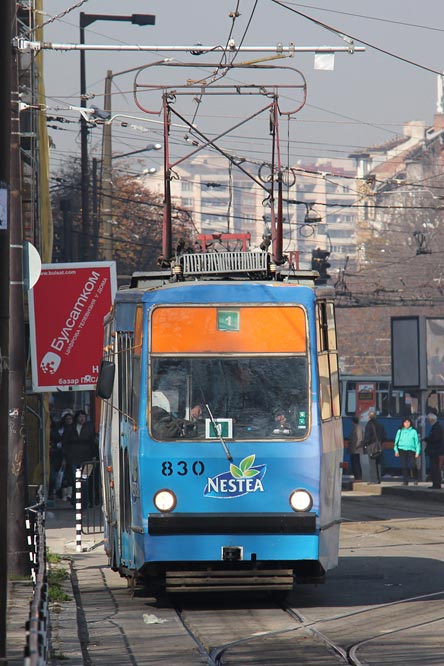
(136, 364)
(125, 344)
(435, 401)
(328, 361)
(135, 388)
(335, 385)
(324, 385)
(350, 398)
(125, 492)
(405, 403)
(383, 399)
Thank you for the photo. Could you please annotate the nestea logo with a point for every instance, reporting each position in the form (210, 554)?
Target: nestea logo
(237, 481)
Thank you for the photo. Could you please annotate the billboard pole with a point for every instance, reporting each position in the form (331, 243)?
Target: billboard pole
(423, 391)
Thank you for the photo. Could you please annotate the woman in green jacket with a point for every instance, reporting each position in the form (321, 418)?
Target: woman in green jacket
(407, 448)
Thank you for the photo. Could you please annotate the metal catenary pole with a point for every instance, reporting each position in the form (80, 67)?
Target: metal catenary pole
(5, 135)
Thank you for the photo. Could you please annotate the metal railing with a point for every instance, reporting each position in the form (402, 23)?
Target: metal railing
(91, 498)
(37, 626)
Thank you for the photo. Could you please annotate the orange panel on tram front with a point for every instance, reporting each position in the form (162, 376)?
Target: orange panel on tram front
(181, 329)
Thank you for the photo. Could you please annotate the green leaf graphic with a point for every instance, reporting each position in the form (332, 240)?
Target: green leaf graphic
(246, 463)
(236, 472)
(251, 472)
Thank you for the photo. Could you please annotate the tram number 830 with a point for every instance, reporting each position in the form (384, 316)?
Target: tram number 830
(182, 468)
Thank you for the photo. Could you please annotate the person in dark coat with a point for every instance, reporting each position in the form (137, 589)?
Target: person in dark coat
(79, 444)
(355, 448)
(165, 426)
(56, 454)
(434, 449)
(374, 432)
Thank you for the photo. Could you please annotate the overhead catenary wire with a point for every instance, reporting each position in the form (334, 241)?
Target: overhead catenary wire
(343, 33)
(391, 207)
(303, 120)
(368, 17)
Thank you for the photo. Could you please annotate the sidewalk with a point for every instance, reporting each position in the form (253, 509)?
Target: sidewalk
(64, 617)
(67, 621)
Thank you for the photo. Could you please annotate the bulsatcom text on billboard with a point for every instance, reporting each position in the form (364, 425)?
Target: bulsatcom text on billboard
(67, 306)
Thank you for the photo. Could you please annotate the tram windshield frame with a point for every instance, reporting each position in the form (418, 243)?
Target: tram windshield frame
(202, 397)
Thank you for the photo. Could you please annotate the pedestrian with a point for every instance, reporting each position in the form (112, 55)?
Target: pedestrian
(434, 449)
(374, 437)
(56, 456)
(407, 447)
(79, 445)
(355, 448)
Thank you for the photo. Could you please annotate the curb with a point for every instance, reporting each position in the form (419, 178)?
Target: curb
(422, 492)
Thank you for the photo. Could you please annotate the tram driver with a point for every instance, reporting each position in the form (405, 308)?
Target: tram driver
(166, 426)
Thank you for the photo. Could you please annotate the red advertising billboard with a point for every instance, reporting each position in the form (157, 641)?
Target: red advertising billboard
(66, 310)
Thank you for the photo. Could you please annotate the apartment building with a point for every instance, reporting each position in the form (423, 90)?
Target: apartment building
(222, 199)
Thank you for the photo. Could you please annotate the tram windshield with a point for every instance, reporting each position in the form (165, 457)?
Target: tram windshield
(262, 397)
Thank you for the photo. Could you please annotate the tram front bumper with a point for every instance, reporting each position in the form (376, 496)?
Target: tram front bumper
(231, 523)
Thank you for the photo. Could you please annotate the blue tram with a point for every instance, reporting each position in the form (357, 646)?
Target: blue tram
(221, 435)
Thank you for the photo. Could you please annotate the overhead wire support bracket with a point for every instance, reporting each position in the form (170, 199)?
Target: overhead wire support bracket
(26, 45)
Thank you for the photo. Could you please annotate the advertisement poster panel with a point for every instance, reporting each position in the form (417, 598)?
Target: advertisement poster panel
(435, 352)
(66, 310)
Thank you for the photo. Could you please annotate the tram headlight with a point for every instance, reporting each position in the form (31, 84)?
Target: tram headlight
(301, 500)
(165, 500)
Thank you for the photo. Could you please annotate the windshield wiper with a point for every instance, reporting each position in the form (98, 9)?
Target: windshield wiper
(217, 430)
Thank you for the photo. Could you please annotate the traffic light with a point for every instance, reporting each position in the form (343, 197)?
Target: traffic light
(320, 264)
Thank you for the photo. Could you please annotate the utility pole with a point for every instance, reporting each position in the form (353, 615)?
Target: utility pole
(84, 178)
(106, 194)
(18, 553)
(6, 13)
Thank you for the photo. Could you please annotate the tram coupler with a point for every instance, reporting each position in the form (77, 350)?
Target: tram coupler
(232, 553)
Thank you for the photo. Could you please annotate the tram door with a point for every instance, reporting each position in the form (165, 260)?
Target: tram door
(365, 397)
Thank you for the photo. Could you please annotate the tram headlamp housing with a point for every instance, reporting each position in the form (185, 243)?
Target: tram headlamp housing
(301, 500)
(165, 500)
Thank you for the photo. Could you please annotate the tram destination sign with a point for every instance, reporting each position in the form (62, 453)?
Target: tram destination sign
(67, 306)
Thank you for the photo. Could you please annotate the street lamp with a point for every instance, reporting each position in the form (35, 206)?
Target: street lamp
(86, 20)
(150, 146)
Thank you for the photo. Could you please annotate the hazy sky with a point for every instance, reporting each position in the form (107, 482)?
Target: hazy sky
(365, 100)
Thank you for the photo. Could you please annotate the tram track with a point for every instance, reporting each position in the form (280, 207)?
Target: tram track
(350, 652)
(263, 647)
(296, 644)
